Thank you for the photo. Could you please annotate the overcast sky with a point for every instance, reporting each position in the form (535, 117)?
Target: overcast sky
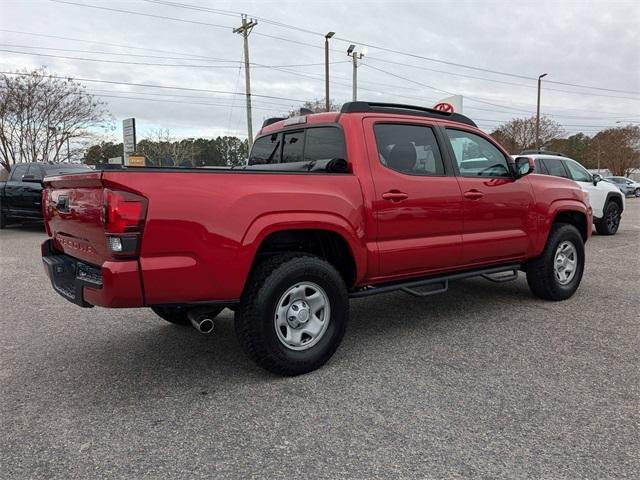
(585, 43)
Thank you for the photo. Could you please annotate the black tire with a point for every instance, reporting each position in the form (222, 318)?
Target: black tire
(541, 273)
(255, 318)
(178, 315)
(637, 192)
(610, 221)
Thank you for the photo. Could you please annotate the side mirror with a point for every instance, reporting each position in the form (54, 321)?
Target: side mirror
(524, 166)
(596, 178)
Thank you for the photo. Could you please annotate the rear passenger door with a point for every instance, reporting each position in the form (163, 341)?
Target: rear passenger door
(498, 208)
(417, 204)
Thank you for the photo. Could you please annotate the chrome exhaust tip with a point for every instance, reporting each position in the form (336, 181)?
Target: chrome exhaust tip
(201, 321)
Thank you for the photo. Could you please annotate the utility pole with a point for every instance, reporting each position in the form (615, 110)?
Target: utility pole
(68, 150)
(355, 57)
(538, 112)
(326, 70)
(245, 30)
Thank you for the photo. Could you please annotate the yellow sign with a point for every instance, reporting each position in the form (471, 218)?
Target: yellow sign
(136, 161)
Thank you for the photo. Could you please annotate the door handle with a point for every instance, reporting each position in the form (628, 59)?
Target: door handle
(395, 196)
(473, 195)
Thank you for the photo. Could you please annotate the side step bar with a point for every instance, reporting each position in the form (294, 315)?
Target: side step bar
(440, 283)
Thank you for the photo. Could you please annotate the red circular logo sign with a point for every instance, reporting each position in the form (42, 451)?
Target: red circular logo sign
(444, 107)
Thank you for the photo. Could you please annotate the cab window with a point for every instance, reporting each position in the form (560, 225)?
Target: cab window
(18, 172)
(476, 156)
(578, 173)
(265, 150)
(292, 147)
(409, 149)
(36, 171)
(555, 167)
(323, 143)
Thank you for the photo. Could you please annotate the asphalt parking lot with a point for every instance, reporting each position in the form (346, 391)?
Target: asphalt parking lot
(485, 381)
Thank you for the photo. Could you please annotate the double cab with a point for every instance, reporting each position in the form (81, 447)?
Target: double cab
(330, 206)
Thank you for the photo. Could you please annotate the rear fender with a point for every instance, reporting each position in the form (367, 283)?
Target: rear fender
(265, 225)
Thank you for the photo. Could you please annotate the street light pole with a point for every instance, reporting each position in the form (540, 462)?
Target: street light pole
(326, 69)
(355, 57)
(538, 112)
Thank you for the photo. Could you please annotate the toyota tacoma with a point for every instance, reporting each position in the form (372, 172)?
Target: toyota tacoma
(330, 206)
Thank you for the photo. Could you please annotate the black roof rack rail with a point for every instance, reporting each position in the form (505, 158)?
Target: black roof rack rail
(401, 109)
(532, 151)
(271, 120)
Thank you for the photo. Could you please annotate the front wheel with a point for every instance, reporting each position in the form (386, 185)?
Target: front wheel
(637, 192)
(557, 272)
(610, 222)
(293, 314)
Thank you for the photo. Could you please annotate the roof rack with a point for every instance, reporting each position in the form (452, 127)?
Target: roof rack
(401, 109)
(541, 152)
(271, 120)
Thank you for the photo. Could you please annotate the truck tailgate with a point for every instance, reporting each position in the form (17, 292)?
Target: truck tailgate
(73, 213)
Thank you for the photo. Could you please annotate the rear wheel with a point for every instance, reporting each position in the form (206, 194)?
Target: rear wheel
(637, 192)
(178, 314)
(610, 222)
(293, 314)
(557, 272)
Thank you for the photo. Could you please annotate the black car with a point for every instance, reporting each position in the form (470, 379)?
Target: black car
(21, 194)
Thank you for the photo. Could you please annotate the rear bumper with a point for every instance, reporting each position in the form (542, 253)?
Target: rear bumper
(113, 284)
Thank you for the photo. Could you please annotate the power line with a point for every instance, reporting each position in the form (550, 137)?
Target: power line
(118, 10)
(284, 25)
(147, 85)
(377, 47)
(117, 45)
(503, 82)
(174, 95)
(102, 60)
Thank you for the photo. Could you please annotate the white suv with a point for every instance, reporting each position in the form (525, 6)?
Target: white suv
(605, 198)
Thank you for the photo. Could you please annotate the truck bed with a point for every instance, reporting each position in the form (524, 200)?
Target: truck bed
(202, 226)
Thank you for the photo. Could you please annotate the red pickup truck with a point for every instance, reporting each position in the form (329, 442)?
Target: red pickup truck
(331, 206)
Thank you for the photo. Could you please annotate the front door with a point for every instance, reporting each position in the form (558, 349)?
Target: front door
(498, 209)
(417, 204)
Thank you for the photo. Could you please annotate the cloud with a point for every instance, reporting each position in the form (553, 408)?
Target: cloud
(592, 43)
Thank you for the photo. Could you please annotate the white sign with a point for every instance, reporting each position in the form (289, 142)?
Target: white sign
(128, 137)
(451, 104)
(115, 161)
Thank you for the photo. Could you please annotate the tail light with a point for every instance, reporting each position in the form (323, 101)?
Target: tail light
(124, 214)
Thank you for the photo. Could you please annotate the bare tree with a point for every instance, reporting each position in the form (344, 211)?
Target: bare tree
(41, 114)
(616, 149)
(161, 149)
(316, 106)
(520, 133)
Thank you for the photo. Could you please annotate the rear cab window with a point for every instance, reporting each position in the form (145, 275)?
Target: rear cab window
(265, 150)
(295, 146)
